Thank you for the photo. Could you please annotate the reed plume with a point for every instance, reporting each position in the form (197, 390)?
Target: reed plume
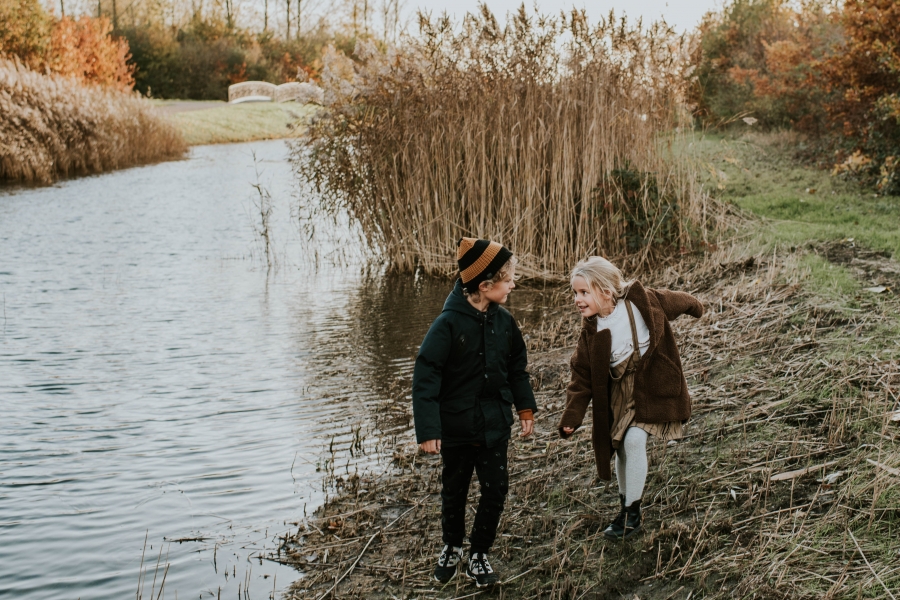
(550, 135)
(54, 127)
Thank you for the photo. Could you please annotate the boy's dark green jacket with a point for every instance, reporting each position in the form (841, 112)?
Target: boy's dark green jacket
(470, 370)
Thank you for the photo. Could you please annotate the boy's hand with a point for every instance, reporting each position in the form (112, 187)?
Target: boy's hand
(568, 430)
(431, 446)
(527, 427)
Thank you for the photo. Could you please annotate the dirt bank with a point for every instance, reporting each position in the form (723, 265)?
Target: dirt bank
(784, 487)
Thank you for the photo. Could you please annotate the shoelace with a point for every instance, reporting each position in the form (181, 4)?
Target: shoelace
(445, 558)
(481, 564)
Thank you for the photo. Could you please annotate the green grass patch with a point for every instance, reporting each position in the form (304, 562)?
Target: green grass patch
(237, 122)
(831, 282)
(799, 203)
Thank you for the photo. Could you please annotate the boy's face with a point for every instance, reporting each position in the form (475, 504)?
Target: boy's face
(499, 292)
(585, 301)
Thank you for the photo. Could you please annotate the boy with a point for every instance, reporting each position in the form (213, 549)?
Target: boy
(469, 372)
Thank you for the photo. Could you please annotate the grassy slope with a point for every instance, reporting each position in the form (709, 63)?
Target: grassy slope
(238, 122)
(798, 203)
(794, 366)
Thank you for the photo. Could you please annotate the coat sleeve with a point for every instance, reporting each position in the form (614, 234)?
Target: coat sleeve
(427, 377)
(518, 378)
(675, 304)
(578, 393)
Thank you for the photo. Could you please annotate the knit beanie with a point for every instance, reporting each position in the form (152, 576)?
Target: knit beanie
(479, 260)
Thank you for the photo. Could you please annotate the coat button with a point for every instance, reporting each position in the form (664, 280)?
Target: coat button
(485, 376)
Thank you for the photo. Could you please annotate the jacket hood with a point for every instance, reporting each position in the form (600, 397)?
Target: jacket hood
(457, 302)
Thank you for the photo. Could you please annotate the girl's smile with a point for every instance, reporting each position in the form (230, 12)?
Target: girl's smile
(586, 300)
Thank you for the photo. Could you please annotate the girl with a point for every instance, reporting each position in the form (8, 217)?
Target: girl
(626, 360)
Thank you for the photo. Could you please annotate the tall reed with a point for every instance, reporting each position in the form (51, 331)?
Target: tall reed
(549, 134)
(52, 126)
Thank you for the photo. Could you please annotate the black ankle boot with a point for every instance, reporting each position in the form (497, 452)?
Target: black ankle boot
(632, 518)
(627, 523)
(616, 529)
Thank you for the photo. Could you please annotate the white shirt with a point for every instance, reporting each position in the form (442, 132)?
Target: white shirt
(620, 328)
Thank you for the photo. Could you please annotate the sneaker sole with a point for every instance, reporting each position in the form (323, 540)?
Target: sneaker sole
(629, 535)
(481, 585)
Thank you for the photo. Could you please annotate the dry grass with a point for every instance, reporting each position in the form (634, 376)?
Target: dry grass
(53, 127)
(551, 135)
(786, 485)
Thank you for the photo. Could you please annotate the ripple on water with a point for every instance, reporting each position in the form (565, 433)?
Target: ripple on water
(156, 381)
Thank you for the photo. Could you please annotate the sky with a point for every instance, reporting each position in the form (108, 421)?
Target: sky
(683, 15)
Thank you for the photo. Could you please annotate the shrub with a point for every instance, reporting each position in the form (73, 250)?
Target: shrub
(549, 135)
(765, 58)
(865, 115)
(25, 32)
(53, 126)
(201, 60)
(85, 50)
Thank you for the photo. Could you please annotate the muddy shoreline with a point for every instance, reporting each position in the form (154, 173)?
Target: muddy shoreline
(756, 502)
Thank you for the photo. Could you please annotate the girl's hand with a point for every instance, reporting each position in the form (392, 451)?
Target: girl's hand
(568, 430)
(527, 428)
(431, 446)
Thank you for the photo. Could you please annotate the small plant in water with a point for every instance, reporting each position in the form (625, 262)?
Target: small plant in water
(263, 204)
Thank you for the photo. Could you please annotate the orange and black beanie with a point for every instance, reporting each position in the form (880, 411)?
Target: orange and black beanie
(479, 260)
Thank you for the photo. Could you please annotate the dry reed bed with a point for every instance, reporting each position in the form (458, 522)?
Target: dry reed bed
(785, 486)
(551, 135)
(53, 127)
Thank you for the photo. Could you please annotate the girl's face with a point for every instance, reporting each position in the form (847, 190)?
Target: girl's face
(586, 301)
(499, 292)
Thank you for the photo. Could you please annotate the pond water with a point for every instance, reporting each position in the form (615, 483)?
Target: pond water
(166, 395)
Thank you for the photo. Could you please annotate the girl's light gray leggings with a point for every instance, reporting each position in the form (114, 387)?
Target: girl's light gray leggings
(631, 464)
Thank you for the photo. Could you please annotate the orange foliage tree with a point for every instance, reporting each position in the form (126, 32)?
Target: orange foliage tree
(867, 74)
(826, 68)
(763, 58)
(86, 50)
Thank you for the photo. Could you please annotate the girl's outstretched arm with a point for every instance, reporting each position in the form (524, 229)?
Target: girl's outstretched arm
(675, 304)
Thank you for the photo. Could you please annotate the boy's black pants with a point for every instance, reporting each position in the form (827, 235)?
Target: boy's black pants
(490, 466)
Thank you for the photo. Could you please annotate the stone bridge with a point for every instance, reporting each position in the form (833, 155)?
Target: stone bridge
(261, 91)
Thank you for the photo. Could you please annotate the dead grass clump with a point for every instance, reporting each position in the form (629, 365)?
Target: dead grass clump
(53, 127)
(784, 487)
(551, 135)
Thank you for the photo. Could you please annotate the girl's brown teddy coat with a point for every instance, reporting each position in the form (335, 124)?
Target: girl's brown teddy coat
(660, 391)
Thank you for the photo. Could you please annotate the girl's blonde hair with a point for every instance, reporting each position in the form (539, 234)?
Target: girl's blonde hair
(502, 272)
(601, 276)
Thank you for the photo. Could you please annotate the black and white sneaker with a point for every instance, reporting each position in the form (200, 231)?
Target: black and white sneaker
(480, 570)
(447, 563)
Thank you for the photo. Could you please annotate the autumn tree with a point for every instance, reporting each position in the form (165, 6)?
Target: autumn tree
(86, 50)
(25, 31)
(866, 73)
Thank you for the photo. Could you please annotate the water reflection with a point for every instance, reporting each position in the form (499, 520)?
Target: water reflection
(158, 382)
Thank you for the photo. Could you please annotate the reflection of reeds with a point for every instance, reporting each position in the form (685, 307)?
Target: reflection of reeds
(550, 135)
(53, 127)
